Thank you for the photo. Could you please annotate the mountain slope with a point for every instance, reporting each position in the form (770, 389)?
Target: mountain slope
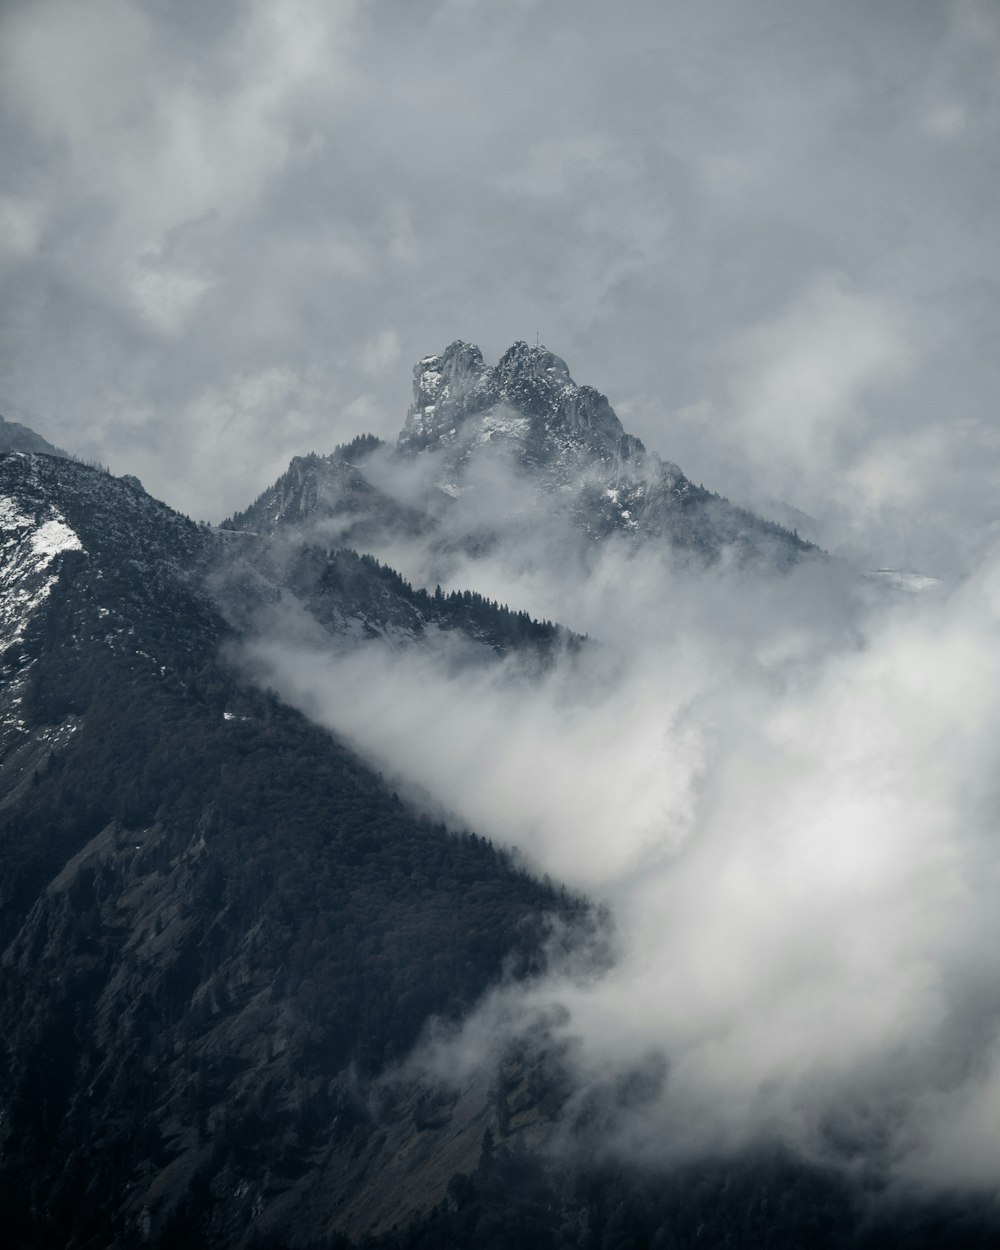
(17, 437)
(263, 582)
(334, 490)
(220, 933)
(217, 926)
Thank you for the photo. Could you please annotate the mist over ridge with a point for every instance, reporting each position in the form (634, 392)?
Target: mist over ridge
(776, 775)
(751, 784)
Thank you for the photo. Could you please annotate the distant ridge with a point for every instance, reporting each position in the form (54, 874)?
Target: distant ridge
(17, 437)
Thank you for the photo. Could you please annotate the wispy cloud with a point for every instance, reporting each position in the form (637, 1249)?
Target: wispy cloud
(783, 790)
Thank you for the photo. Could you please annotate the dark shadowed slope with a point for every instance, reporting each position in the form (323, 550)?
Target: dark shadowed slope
(217, 925)
(220, 933)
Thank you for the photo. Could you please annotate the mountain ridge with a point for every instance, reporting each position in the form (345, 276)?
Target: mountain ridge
(458, 384)
(222, 934)
(555, 439)
(17, 437)
(218, 925)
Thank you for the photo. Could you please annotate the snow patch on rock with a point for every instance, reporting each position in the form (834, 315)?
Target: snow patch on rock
(29, 546)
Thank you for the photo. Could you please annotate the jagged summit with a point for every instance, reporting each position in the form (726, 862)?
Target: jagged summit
(567, 439)
(561, 444)
(520, 360)
(528, 397)
(449, 377)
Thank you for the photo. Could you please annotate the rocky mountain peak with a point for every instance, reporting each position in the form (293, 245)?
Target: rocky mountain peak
(524, 415)
(448, 376)
(521, 364)
(446, 388)
(532, 382)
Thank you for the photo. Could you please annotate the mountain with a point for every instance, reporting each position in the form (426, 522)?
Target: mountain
(334, 490)
(218, 927)
(560, 443)
(17, 437)
(527, 400)
(222, 934)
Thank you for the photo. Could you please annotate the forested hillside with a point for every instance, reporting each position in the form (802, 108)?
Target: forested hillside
(218, 926)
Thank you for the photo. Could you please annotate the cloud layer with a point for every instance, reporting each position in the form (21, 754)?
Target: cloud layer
(783, 788)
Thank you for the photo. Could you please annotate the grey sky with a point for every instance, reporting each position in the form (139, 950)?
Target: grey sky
(766, 231)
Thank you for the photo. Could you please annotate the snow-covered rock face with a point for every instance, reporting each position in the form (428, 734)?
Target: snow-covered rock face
(470, 422)
(531, 369)
(448, 378)
(528, 399)
(528, 408)
(446, 389)
(30, 545)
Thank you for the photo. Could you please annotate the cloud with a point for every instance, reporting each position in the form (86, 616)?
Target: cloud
(801, 379)
(21, 226)
(783, 790)
(165, 296)
(223, 428)
(803, 416)
(381, 352)
(142, 121)
(160, 144)
(963, 91)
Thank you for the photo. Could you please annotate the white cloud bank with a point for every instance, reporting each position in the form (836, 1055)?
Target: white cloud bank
(785, 792)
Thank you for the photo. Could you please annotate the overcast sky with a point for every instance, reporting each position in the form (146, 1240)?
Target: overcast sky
(766, 231)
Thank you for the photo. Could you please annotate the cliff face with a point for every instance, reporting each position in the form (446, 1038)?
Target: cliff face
(528, 397)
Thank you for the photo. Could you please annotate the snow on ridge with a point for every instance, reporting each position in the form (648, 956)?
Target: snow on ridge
(11, 517)
(55, 536)
(29, 547)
